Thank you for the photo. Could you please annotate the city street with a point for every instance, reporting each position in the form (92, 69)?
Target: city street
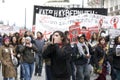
(43, 76)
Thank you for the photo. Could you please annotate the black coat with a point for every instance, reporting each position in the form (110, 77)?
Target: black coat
(100, 54)
(115, 60)
(27, 53)
(60, 60)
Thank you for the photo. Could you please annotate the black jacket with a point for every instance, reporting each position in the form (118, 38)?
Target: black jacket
(60, 60)
(100, 54)
(28, 53)
(115, 60)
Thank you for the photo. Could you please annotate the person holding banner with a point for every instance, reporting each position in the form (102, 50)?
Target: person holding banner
(60, 54)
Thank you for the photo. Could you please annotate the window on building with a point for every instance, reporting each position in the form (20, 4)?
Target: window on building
(115, 2)
(111, 9)
(111, 3)
(116, 7)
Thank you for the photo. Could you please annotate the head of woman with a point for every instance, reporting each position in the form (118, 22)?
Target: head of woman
(117, 40)
(21, 40)
(14, 39)
(94, 36)
(81, 38)
(6, 41)
(102, 42)
(58, 37)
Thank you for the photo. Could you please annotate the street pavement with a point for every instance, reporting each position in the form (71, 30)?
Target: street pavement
(93, 76)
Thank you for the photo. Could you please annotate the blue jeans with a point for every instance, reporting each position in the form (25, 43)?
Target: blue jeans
(83, 72)
(73, 70)
(38, 64)
(22, 71)
(48, 72)
(8, 78)
(28, 70)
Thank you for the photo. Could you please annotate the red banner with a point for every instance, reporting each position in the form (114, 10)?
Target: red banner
(74, 31)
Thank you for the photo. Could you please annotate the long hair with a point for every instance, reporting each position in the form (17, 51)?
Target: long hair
(116, 40)
(62, 35)
(102, 45)
(92, 37)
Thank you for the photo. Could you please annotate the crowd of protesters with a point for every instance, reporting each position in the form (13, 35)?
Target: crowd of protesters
(63, 60)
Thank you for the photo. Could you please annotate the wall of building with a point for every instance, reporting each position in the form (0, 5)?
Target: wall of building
(112, 5)
(68, 3)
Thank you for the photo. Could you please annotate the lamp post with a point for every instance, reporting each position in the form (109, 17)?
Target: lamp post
(25, 19)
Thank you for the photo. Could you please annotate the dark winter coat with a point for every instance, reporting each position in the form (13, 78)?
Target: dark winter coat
(60, 60)
(115, 60)
(28, 53)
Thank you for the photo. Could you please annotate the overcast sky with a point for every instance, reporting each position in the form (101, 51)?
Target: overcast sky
(13, 11)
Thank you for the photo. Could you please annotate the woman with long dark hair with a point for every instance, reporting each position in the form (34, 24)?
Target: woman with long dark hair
(100, 56)
(21, 43)
(60, 54)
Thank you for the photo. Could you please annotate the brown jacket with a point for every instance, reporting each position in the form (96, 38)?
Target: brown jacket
(8, 69)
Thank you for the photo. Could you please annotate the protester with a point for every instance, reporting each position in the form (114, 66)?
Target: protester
(60, 54)
(83, 59)
(101, 59)
(28, 58)
(94, 39)
(48, 60)
(21, 43)
(1, 39)
(39, 42)
(8, 68)
(114, 58)
(93, 43)
(14, 43)
(72, 55)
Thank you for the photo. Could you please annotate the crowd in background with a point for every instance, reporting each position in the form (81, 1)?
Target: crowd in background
(63, 60)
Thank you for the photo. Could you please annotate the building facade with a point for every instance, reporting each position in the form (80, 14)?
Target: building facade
(67, 3)
(113, 6)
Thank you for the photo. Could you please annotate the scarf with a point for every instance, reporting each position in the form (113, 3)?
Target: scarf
(82, 47)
